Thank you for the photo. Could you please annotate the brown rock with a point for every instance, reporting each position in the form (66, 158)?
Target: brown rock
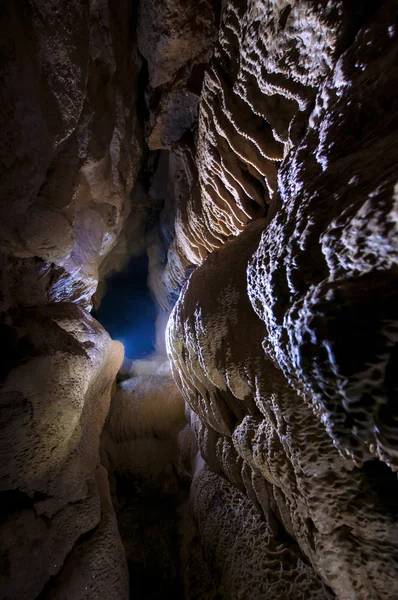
(70, 143)
(254, 429)
(55, 396)
(173, 32)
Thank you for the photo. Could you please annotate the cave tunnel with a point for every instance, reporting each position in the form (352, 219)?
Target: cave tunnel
(199, 300)
(127, 311)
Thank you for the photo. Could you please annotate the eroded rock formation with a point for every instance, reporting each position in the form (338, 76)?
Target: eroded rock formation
(324, 277)
(249, 148)
(70, 144)
(254, 429)
(297, 412)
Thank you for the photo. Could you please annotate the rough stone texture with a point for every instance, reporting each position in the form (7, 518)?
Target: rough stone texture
(173, 32)
(55, 396)
(227, 524)
(254, 429)
(292, 407)
(258, 90)
(324, 277)
(70, 143)
(139, 447)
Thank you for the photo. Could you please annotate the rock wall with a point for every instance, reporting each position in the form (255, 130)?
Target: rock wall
(266, 69)
(283, 341)
(59, 537)
(250, 149)
(70, 147)
(324, 277)
(70, 144)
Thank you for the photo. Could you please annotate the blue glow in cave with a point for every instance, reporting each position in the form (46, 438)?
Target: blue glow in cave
(127, 310)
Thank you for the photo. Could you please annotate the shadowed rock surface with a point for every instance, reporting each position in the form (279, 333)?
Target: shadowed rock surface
(254, 429)
(54, 492)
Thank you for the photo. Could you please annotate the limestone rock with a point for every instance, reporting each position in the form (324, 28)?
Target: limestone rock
(140, 437)
(70, 142)
(258, 90)
(227, 525)
(324, 277)
(254, 429)
(57, 382)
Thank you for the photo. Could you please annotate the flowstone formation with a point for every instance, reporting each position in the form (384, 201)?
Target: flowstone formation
(284, 341)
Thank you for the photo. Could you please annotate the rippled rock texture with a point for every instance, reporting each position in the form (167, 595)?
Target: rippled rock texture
(267, 66)
(254, 429)
(284, 341)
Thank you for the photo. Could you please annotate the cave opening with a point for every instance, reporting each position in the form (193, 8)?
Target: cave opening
(127, 311)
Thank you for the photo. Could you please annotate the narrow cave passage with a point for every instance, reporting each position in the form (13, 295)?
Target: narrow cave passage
(139, 449)
(127, 310)
(219, 180)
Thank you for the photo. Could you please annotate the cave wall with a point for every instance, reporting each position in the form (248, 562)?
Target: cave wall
(70, 144)
(249, 147)
(283, 340)
(59, 536)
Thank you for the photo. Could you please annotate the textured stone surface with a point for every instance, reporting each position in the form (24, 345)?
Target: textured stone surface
(324, 277)
(258, 90)
(173, 32)
(70, 142)
(254, 429)
(139, 448)
(227, 524)
(290, 123)
(54, 400)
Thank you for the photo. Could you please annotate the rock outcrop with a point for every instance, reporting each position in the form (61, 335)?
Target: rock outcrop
(219, 556)
(298, 409)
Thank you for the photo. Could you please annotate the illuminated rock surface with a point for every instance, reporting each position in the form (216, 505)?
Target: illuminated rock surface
(249, 148)
(70, 145)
